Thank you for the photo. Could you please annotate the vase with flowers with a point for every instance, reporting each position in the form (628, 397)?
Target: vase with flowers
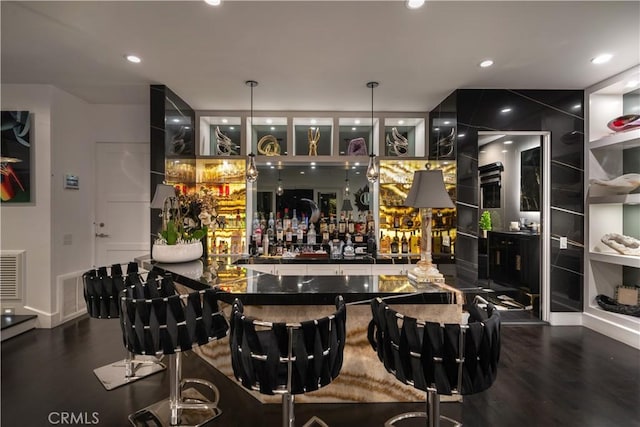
(186, 219)
(485, 223)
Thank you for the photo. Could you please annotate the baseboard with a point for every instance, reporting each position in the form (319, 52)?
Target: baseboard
(45, 320)
(565, 319)
(620, 333)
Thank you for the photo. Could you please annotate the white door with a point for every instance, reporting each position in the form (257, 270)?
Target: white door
(122, 202)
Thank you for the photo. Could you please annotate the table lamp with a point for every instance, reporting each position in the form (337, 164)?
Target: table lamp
(427, 192)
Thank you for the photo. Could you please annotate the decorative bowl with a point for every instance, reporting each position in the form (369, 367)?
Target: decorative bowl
(183, 252)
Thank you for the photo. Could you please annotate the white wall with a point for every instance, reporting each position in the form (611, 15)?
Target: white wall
(65, 131)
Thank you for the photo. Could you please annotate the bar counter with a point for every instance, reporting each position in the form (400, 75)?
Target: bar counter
(258, 288)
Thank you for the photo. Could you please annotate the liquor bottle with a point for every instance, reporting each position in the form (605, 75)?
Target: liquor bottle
(324, 233)
(436, 244)
(279, 247)
(404, 244)
(396, 220)
(272, 222)
(311, 235)
(371, 243)
(371, 225)
(294, 221)
(304, 224)
(415, 243)
(265, 245)
(348, 250)
(300, 234)
(286, 221)
(351, 225)
(385, 244)
(395, 244)
(279, 230)
(288, 236)
(446, 242)
(238, 219)
(332, 225)
(256, 222)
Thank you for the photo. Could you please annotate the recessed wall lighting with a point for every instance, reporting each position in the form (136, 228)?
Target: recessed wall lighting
(632, 83)
(357, 163)
(301, 172)
(447, 122)
(313, 163)
(508, 142)
(356, 121)
(273, 167)
(414, 4)
(461, 135)
(176, 120)
(225, 121)
(133, 58)
(353, 128)
(272, 128)
(577, 106)
(269, 121)
(313, 167)
(400, 122)
(486, 63)
(353, 167)
(232, 127)
(268, 163)
(602, 58)
(506, 110)
(213, 2)
(313, 121)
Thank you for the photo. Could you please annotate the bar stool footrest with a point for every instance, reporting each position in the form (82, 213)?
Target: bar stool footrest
(448, 422)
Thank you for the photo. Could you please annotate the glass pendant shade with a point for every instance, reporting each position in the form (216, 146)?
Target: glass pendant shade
(279, 189)
(252, 169)
(372, 169)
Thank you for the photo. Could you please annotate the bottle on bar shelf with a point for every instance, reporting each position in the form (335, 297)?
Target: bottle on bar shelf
(404, 244)
(446, 242)
(286, 221)
(385, 244)
(294, 221)
(351, 225)
(272, 223)
(311, 235)
(395, 244)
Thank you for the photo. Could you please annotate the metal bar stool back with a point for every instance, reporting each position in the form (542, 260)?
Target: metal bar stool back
(440, 359)
(101, 287)
(287, 358)
(156, 320)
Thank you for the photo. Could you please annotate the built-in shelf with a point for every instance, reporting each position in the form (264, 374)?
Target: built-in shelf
(625, 199)
(613, 258)
(622, 319)
(621, 140)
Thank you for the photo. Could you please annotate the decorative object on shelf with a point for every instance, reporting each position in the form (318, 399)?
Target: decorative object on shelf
(445, 145)
(315, 211)
(224, 145)
(623, 123)
(357, 147)
(610, 304)
(268, 145)
(629, 295)
(427, 191)
(485, 223)
(362, 198)
(252, 169)
(621, 185)
(279, 188)
(185, 222)
(314, 137)
(400, 144)
(372, 168)
(626, 245)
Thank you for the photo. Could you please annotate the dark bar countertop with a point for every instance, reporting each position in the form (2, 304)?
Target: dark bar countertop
(257, 288)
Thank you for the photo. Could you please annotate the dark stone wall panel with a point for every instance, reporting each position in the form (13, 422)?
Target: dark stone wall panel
(567, 292)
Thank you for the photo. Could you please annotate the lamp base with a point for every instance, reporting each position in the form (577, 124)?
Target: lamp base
(425, 273)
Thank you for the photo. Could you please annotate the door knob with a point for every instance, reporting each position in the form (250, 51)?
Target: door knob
(102, 235)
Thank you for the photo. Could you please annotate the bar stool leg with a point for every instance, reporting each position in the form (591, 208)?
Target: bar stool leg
(288, 415)
(175, 373)
(433, 409)
(127, 370)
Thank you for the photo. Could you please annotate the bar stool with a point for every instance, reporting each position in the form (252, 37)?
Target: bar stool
(155, 323)
(449, 359)
(287, 358)
(101, 288)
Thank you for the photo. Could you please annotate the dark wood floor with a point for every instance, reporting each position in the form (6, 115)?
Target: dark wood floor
(548, 376)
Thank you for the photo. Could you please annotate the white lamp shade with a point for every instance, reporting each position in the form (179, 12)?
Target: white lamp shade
(163, 191)
(428, 190)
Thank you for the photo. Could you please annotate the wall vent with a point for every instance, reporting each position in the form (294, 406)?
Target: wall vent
(70, 296)
(12, 274)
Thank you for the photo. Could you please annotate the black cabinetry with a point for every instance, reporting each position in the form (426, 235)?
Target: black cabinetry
(514, 260)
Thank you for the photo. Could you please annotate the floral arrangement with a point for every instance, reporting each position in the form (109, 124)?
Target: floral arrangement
(188, 218)
(485, 221)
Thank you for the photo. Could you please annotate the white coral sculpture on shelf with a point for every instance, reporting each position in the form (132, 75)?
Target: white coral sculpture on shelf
(626, 245)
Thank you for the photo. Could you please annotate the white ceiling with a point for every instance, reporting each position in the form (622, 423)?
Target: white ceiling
(313, 55)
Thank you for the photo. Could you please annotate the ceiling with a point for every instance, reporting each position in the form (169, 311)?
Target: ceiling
(313, 55)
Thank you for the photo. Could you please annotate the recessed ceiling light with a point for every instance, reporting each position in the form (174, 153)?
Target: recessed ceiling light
(356, 121)
(601, 59)
(505, 151)
(313, 163)
(313, 167)
(508, 142)
(232, 127)
(301, 172)
(353, 128)
(176, 120)
(436, 128)
(187, 127)
(445, 163)
(400, 122)
(213, 2)
(506, 110)
(225, 121)
(133, 58)
(357, 163)
(632, 83)
(353, 167)
(414, 4)
(486, 63)
(272, 128)
(273, 167)
(268, 163)
(313, 121)
(269, 121)
(447, 122)
(461, 135)
(312, 128)
(577, 106)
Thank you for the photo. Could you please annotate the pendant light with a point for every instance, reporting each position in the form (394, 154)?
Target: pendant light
(280, 188)
(252, 169)
(372, 169)
(346, 184)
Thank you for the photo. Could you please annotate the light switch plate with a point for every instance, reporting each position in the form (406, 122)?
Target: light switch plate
(563, 242)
